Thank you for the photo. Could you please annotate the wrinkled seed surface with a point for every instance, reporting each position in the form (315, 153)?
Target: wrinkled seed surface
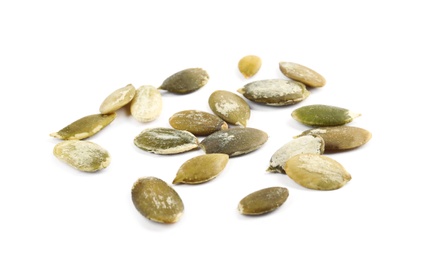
(185, 81)
(302, 74)
(117, 99)
(230, 107)
(84, 127)
(201, 168)
(323, 115)
(249, 65)
(82, 155)
(263, 201)
(147, 104)
(197, 122)
(156, 200)
(317, 172)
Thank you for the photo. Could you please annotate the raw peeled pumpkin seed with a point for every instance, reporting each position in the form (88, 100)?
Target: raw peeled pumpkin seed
(82, 155)
(338, 138)
(249, 65)
(303, 74)
(84, 127)
(185, 81)
(156, 200)
(201, 168)
(117, 99)
(323, 115)
(263, 201)
(234, 141)
(317, 172)
(230, 107)
(197, 122)
(166, 140)
(275, 92)
(304, 144)
(147, 104)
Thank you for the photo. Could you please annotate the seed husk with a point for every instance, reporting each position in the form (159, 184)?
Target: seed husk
(185, 81)
(249, 65)
(305, 144)
(156, 200)
(263, 201)
(318, 172)
(302, 74)
(197, 122)
(162, 140)
(201, 168)
(339, 138)
(84, 127)
(275, 92)
(234, 141)
(82, 155)
(230, 107)
(117, 99)
(323, 115)
(147, 104)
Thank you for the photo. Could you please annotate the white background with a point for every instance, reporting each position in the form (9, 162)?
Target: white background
(59, 60)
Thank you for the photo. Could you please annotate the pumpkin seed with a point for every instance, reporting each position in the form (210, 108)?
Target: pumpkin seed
(162, 140)
(323, 115)
(263, 201)
(249, 65)
(304, 144)
(156, 200)
(234, 141)
(147, 104)
(82, 155)
(318, 172)
(201, 168)
(197, 122)
(275, 92)
(302, 74)
(338, 138)
(185, 81)
(84, 127)
(117, 99)
(230, 107)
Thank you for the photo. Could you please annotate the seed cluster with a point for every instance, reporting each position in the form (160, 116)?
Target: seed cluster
(226, 135)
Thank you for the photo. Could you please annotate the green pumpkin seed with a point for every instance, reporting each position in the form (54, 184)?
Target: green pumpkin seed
(302, 74)
(234, 141)
(323, 115)
(249, 65)
(263, 201)
(117, 99)
(304, 144)
(339, 138)
(318, 172)
(275, 92)
(197, 122)
(82, 155)
(84, 127)
(147, 104)
(230, 107)
(166, 141)
(156, 200)
(185, 81)
(201, 168)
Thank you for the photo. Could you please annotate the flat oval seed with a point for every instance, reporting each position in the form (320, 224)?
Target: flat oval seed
(323, 115)
(302, 74)
(304, 144)
(275, 92)
(197, 122)
(82, 155)
(201, 168)
(263, 201)
(339, 138)
(185, 81)
(84, 127)
(147, 104)
(156, 200)
(234, 141)
(117, 99)
(230, 107)
(318, 172)
(249, 65)
(166, 141)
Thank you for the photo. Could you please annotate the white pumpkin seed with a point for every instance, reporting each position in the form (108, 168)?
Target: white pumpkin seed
(147, 104)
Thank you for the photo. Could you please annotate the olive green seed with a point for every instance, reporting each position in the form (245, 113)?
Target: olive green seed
(249, 65)
(197, 122)
(185, 81)
(232, 108)
(303, 74)
(323, 115)
(117, 99)
(263, 201)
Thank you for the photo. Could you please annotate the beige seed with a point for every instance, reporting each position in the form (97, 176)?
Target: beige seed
(249, 65)
(117, 99)
(230, 107)
(303, 74)
(147, 104)
(263, 201)
(197, 122)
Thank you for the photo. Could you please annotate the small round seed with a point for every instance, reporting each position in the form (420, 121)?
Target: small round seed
(323, 115)
(249, 65)
(302, 74)
(185, 81)
(263, 201)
